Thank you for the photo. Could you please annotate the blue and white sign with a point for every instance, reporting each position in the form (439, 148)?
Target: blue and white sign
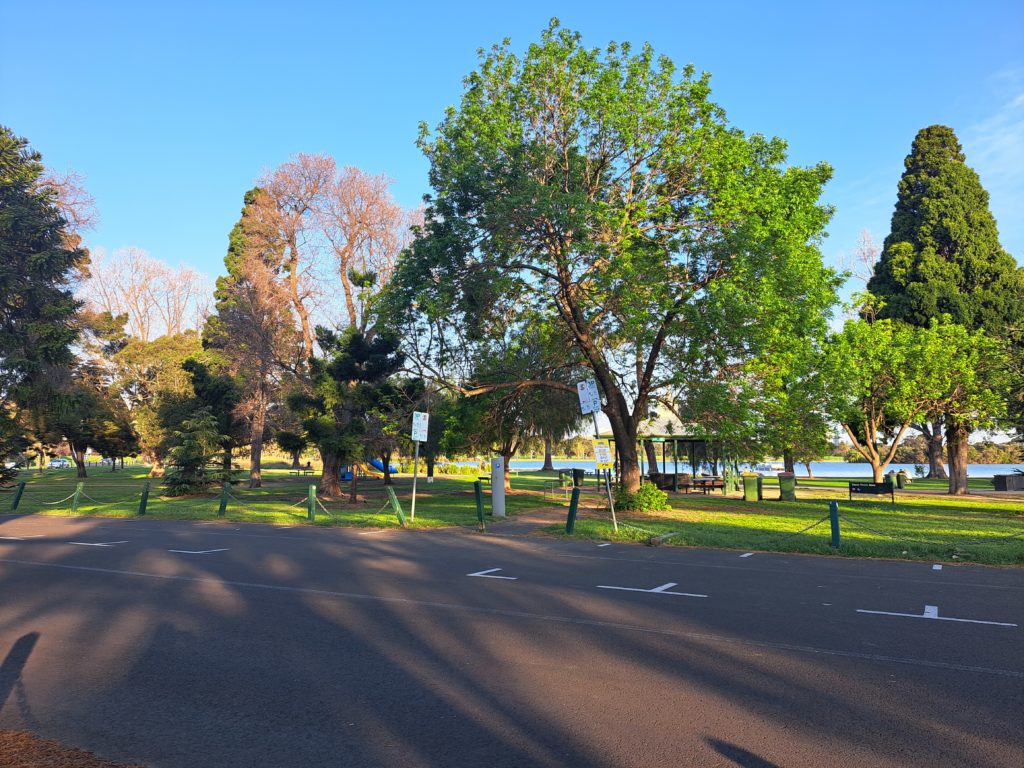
(590, 396)
(419, 426)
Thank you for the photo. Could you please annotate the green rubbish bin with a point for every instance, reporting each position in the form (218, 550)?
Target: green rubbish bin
(902, 480)
(787, 486)
(752, 488)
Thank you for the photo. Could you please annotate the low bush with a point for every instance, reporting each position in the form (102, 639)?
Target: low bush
(649, 498)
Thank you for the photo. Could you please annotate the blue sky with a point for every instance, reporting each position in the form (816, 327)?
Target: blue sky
(171, 110)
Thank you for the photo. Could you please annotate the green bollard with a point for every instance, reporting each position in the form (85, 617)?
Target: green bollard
(223, 501)
(396, 506)
(833, 516)
(17, 496)
(574, 502)
(478, 489)
(74, 499)
(144, 499)
(311, 504)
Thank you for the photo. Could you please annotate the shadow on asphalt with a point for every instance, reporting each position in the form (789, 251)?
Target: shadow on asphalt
(741, 757)
(255, 676)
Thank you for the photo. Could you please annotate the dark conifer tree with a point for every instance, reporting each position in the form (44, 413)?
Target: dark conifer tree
(943, 257)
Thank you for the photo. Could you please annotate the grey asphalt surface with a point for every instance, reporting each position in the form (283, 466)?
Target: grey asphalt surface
(343, 647)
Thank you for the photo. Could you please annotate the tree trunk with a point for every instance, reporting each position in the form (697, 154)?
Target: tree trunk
(78, 456)
(548, 466)
(330, 477)
(431, 460)
(957, 435)
(225, 464)
(629, 464)
(385, 461)
(259, 421)
(876, 471)
(295, 459)
(653, 468)
(787, 460)
(507, 456)
(353, 494)
(936, 467)
(810, 472)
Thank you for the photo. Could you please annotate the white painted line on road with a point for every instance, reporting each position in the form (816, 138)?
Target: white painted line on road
(605, 545)
(196, 551)
(932, 612)
(747, 554)
(22, 538)
(519, 616)
(371, 533)
(98, 544)
(487, 575)
(662, 590)
(936, 567)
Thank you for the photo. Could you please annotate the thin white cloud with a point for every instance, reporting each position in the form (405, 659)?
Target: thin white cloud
(995, 149)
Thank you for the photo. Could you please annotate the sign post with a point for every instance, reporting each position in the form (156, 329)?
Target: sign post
(419, 435)
(590, 402)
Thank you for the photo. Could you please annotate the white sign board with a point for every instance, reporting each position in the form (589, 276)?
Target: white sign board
(603, 454)
(590, 396)
(419, 426)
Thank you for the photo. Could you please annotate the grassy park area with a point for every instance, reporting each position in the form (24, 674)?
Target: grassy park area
(923, 524)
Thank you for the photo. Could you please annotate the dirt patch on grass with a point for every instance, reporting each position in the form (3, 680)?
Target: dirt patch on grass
(24, 750)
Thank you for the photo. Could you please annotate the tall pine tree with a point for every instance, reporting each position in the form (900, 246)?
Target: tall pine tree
(38, 259)
(943, 257)
(252, 330)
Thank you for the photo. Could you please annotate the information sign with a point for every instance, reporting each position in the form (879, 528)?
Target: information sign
(590, 396)
(419, 426)
(603, 454)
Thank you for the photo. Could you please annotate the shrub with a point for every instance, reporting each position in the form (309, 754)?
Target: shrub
(648, 499)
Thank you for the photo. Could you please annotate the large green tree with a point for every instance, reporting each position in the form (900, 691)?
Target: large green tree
(38, 261)
(942, 257)
(601, 193)
(342, 387)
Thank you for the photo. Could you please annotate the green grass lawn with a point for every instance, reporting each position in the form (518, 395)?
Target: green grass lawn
(927, 527)
(449, 500)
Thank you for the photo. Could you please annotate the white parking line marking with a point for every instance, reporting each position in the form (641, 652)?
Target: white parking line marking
(605, 545)
(662, 590)
(22, 538)
(487, 574)
(932, 612)
(936, 567)
(98, 544)
(748, 554)
(370, 533)
(196, 551)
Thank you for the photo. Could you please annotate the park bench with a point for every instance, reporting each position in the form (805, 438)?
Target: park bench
(484, 479)
(873, 488)
(298, 472)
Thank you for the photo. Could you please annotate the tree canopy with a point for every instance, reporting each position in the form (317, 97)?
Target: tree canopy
(603, 193)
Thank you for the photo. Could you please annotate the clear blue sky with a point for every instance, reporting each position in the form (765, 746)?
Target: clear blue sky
(171, 110)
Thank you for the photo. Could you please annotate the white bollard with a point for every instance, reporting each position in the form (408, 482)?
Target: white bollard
(498, 486)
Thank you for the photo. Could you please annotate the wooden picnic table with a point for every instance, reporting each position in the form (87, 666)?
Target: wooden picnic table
(707, 484)
(299, 472)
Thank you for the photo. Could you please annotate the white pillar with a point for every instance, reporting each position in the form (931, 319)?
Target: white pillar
(498, 486)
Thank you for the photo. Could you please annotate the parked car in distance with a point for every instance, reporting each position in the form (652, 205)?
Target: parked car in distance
(59, 463)
(106, 462)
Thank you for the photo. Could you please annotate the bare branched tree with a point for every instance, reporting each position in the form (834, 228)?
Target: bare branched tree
(366, 230)
(287, 217)
(157, 299)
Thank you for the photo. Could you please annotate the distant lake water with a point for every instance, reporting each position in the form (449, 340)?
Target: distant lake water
(821, 468)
